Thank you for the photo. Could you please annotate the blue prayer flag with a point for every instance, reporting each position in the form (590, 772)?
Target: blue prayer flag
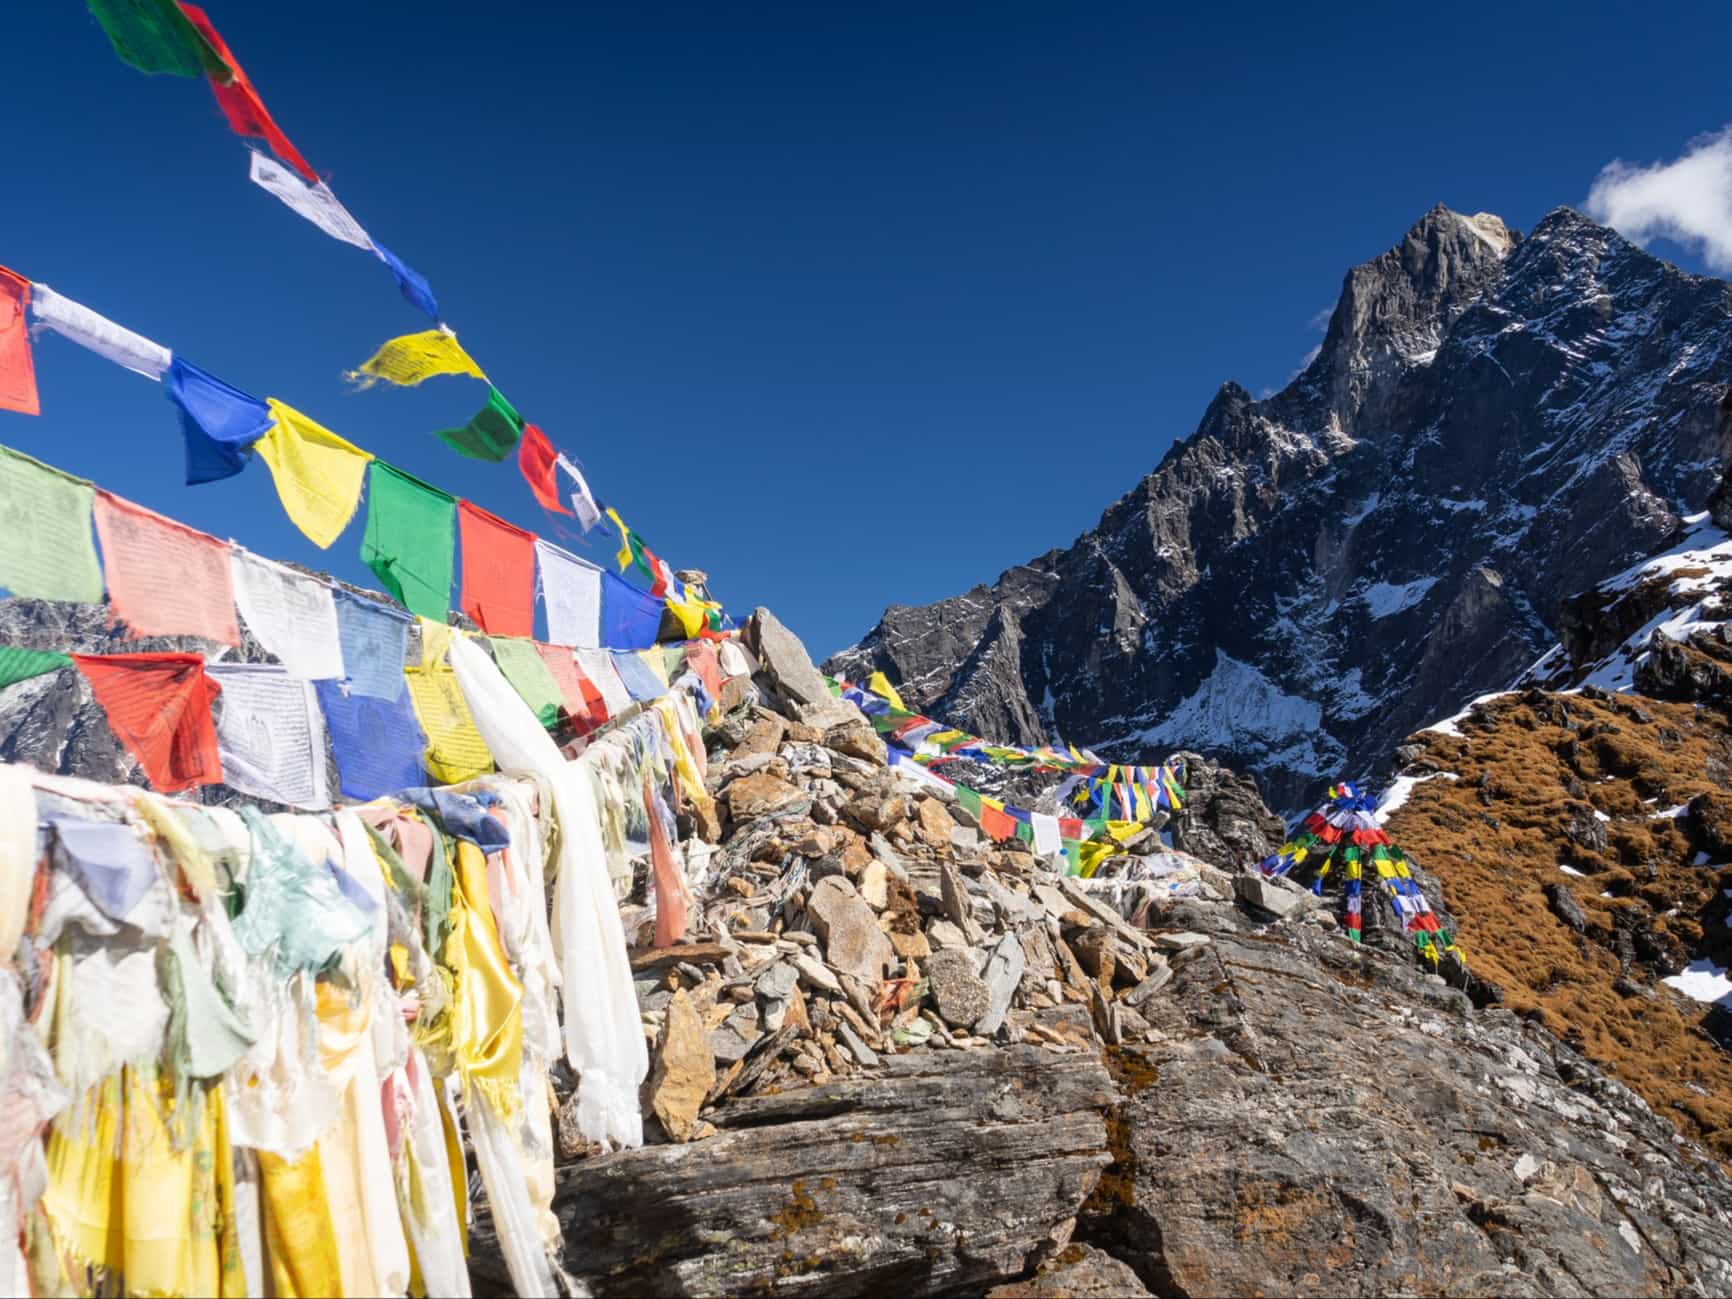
(414, 288)
(220, 422)
(630, 618)
(377, 742)
(374, 639)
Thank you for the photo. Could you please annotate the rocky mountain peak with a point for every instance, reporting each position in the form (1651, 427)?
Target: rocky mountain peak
(1493, 422)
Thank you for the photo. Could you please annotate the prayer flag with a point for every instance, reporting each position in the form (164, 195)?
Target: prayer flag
(995, 822)
(1046, 836)
(498, 572)
(640, 682)
(49, 553)
(17, 369)
(318, 474)
(410, 359)
(375, 640)
(315, 202)
(879, 684)
(597, 666)
(270, 735)
(582, 701)
(220, 423)
(491, 434)
(240, 102)
(455, 750)
(410, 283)
(19, 664)
(571, 594)
(633, 553)
(292, 615)
(411, 528)
(98, 333)
(159, 707)
(155, 36)
(582, 502)
(164, 578)
(630, 618)
(536, 460)
(376, 742)
(523, 667)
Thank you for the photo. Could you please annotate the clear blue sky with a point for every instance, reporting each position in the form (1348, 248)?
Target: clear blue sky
(848, 305)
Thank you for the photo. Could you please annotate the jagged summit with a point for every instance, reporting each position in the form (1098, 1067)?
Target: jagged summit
(1493, 422)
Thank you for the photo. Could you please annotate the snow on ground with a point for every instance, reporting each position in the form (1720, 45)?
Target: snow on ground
(1571, 870)
(1448, 725)
(1237, 707)
(1401, 789)
(1702, 980)
(1385, 598)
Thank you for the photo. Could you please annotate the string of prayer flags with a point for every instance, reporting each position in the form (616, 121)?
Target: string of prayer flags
(159, 707)
(630, 618)
(498, 572)
(537, 462)
(20, 664)
(314, 202)
(155, 36)
(375, 741)
(375, 641)
(411, 529)
(164, 578)
(583, 502)
(270, 735)
(292, 615)
(597, 665)
(525, 669)
(571, 594)
(49, 552)
(582, 701)
(455, 750)
(633, 553)
(17, 369)
(219, 422)
(491, 434)
(74, 321)
(410, 359)
(240, 102)
(318, 474)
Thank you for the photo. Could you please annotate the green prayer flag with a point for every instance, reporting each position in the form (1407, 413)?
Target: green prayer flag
(491, 435)
(410, 538)
(49, 552)
(21, 664)
(968, 799)
(155, 36)
(527, 672)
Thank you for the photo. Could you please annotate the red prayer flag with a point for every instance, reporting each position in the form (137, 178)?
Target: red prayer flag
(997, 823)
(241, 104)
(592, 697)
(164, 578)
(498, 572)
(1070, 828)
(563, 669)
(17, 371)
(702, 660)
(536, 459)
(159, 707)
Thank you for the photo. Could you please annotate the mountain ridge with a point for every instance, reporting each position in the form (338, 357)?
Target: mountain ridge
(1493, 422)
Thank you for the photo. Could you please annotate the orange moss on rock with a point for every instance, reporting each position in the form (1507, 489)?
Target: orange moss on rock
(1532, 772)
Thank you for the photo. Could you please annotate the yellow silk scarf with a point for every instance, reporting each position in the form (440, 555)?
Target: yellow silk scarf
(487, 1035)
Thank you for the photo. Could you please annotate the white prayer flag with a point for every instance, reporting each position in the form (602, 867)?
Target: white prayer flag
(315, 202)
(571, 590)
(100, 334)
(271, 735)
(597, 665)
(290, 614)
(582, 502)
(1046, 836)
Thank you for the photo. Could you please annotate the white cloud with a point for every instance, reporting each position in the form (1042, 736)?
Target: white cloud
(1687, 200)
(1305, 361)
(1320, 320)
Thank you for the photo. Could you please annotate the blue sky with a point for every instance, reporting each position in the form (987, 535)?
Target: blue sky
(848, 305)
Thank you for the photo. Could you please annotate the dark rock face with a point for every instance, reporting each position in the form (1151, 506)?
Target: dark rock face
(1492, 423)
(1332, 1122)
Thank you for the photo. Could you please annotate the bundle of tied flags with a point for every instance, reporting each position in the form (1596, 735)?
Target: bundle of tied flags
(1347, 825)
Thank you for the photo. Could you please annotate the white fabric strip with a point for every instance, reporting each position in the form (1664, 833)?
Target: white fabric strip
(571, 590)
(291, 615)
(315, 202)
(101, 335)
(1046, 836)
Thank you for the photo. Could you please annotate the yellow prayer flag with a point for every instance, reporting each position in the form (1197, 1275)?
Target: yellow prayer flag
(879, 684)
(318, 475)
(455, 750)
(623, 555)
(435, 641)
(410, 358)
(653, 660)
(690, 613)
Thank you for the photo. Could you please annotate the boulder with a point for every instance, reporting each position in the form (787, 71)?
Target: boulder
(784, 660)
(1002, 976)
(1276, 896)
(760, 795)
(853, 943)
(960, 994)
(685, 1069)
(857, 740)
